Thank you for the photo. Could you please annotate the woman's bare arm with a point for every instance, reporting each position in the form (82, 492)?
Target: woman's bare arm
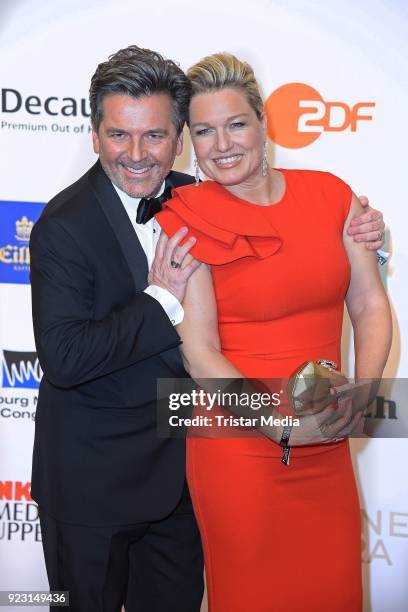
(368, 306)
(203, 360)
(201, 348)
(370, 315)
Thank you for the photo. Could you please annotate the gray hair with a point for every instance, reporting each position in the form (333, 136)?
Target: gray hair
(138, 72)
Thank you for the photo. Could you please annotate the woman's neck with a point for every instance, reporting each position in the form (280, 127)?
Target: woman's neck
(260, 190)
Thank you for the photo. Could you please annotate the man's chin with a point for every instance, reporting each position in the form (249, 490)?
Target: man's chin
(140, 188)
(142, 193)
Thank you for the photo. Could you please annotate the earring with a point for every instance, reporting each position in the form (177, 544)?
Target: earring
(265, 159)
(197, 172)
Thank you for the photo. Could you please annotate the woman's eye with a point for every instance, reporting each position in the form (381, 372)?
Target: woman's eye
(202, 132)
(237, 124)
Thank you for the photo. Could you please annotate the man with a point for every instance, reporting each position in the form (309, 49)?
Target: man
(115, 513)
(112, 495)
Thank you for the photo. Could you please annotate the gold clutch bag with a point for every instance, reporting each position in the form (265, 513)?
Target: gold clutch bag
(309, 386)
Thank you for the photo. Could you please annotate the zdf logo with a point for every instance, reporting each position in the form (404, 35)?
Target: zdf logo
(297, 115)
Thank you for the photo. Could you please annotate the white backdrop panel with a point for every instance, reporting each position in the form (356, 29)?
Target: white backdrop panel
(347, 53)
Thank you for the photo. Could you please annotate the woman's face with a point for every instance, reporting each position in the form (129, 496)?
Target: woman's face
(227, 136)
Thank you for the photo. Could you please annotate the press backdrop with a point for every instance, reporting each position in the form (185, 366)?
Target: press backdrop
(334, 80)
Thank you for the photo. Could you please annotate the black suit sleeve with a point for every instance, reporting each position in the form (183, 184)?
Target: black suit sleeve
(72, 346)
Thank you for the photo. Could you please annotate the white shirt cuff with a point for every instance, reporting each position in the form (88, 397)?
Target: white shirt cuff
(168, 301)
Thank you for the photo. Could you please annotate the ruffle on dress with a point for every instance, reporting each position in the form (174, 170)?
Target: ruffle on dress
(226, 227)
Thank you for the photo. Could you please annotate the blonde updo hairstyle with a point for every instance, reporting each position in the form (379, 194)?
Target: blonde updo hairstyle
(223, 70)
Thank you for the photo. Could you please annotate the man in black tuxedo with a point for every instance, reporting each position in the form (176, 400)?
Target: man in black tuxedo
(115, 512)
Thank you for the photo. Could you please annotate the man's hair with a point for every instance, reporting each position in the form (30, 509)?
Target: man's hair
(137, 73)
(223, 70)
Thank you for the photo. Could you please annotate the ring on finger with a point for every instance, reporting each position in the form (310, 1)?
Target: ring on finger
(380, 235)
(175, 264)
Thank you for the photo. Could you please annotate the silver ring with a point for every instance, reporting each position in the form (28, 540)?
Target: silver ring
(174, 264)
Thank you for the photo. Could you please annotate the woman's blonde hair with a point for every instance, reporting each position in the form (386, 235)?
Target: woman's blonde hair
(223, 70)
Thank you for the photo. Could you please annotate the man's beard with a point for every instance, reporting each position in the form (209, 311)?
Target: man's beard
(131, 189)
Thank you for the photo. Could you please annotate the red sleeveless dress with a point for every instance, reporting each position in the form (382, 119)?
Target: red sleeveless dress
(276, 538)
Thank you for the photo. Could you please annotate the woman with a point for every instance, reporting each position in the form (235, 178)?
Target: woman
(275, 538)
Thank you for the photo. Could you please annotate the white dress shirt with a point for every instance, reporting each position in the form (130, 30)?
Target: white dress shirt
(148, 235)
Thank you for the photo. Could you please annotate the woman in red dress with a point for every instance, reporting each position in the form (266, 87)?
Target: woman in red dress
(277, 267)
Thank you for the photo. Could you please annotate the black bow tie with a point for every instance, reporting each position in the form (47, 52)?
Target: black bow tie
(148, 207)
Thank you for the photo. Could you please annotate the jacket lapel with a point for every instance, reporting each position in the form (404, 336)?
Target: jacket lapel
(121, 225)
(129, 242)
(178, 179)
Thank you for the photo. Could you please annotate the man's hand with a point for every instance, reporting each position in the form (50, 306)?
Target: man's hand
(368, 227)
(171, 269)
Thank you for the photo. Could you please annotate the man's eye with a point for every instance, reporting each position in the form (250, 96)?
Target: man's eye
(117, 135)
(154, 136)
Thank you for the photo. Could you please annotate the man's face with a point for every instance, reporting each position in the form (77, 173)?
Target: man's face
(137, 142)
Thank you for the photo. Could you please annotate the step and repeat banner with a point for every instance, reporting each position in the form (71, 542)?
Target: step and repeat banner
(335, 98)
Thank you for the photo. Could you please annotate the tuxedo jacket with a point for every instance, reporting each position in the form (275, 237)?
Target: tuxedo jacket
(102, 343)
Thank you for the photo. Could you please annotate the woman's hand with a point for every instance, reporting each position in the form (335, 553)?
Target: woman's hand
(348, 404)
(353, 399)
(311, 429)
